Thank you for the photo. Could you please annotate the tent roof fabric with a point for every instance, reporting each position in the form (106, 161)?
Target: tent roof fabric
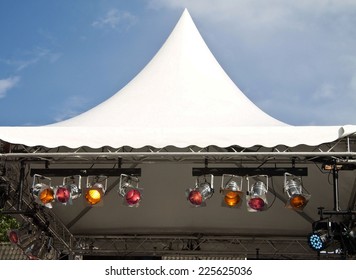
(181, 98)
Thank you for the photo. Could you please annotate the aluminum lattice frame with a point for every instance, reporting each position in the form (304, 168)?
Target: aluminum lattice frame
(44, 218)
(343, 150)
(197, 246)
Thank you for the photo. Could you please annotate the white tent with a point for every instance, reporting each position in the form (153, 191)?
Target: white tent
(182, 97)
(179, 111)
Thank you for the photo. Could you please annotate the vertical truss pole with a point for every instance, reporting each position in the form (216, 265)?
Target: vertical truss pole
(336, 188)
(21, 185)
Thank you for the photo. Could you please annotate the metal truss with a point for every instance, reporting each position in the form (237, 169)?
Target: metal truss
(199, 247)
(344, 148)
(17, 159)
(20, 204)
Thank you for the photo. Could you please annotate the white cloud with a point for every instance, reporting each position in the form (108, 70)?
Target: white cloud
(325, 91)
(33, 57)
(7, 84)
(71, 107)
(271, 16)
(115, 18)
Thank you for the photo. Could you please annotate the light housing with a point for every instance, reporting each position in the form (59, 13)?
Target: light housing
(69, 190)
(293, 187)
(231, 190)
(130, 191)
(23, 237)
(42, 191)
(256, 197)
(37, 250)
(322, 235)
(18, 236)
(95, 189)
(202, 191)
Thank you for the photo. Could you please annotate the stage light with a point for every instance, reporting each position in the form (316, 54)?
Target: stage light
(13, 236)
(294, 190)
(24, 236)
(129, 190)
(256, 199)
(96, 188)
(42, 190)
(318, 240)
(37, 250)
(231, 189)
(69, 190)
(322, 235)
(202, 191)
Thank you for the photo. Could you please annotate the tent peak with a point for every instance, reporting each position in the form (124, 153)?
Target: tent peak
(182, 86)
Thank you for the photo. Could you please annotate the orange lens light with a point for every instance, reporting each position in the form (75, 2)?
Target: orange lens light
(298, 201)
(232, 198)
(46, 196)
(93, 196)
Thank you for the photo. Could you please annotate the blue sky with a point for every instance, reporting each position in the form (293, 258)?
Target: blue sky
(295, 59)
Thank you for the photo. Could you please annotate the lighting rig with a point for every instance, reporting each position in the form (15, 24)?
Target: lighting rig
(45, 194)
(335, 231)
(257, 180)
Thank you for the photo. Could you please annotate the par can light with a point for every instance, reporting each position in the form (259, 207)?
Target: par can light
(129, 190)
(202, 191)
(256, 198)
(231, 189)
(297, 200)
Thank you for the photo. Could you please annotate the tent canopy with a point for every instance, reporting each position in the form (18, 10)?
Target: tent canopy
(181, 98)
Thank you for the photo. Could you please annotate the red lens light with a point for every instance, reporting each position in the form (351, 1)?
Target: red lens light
(133, 197)
(13, 237)
(256, 203)
(195, 198)
(63, 194)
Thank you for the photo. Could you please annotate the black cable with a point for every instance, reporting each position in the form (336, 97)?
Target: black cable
(274, 193)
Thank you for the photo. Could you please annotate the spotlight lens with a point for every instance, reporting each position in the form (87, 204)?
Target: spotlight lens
(47, 196)
(315, 242)
(93, 196)
(297, 201)
(195, 198)
(256, 203)
(232, 198)
(133, 197)
(13, 237)
(63, 194)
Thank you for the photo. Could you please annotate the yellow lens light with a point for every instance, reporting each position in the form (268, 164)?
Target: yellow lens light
(93, 196)
(232, 198)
